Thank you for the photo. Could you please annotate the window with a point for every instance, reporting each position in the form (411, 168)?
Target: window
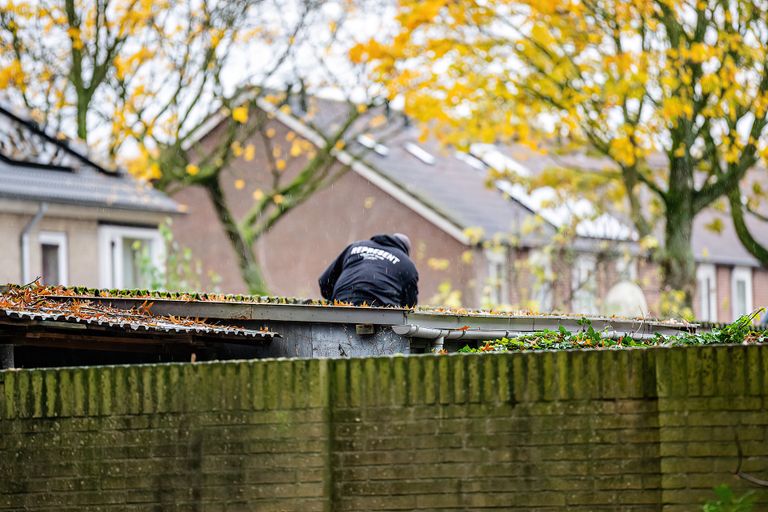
(741, 291)
(53, 257)
(422, 154)
(497, 276)
(626, 269)
(706, 283)
(540, 266)
(129, 256)
(584, 285)
(370, 143)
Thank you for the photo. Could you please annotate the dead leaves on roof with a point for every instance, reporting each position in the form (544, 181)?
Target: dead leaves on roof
(47, 300)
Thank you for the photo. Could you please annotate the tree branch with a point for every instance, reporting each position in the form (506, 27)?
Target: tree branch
(742, 230)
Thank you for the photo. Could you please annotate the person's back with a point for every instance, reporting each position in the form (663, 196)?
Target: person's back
(376, 272)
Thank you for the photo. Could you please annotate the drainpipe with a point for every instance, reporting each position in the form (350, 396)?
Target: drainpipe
(26, 273)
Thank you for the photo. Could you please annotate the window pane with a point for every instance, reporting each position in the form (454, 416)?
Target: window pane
(741, 298)
(50, 255)
(584, 286)
(136, 262)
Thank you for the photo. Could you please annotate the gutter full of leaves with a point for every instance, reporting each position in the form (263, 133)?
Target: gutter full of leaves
(740, 332)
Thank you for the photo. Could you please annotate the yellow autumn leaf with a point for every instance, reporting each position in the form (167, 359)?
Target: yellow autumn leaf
(192, 169)
(239, 184)
(280, 164)
(368, 203)
(439, 264)
(377, 121)
(249, 153)
(258, 194)
(240, 114)
(716, 225)
(278, 199)
(270, 132)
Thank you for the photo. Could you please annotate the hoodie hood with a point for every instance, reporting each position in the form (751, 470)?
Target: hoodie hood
(390, 241)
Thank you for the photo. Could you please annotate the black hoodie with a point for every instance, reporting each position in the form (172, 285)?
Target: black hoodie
(376, 272)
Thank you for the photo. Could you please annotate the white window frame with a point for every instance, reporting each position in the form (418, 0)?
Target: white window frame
(542, 291)
(626, 269)
(741, 274)
(497, 259)
(59, 239)
(588, 263)
(110, 237)
(707, 273)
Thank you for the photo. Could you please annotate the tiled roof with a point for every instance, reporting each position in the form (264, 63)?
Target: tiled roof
(456, 187)
(83, 187)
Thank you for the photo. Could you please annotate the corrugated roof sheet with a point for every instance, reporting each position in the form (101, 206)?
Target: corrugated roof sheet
(35, 305)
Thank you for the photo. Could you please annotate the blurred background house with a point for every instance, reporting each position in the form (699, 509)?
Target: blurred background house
(69, 220)
(475, 243)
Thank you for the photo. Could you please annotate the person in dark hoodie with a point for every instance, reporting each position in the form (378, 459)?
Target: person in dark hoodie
(376, 272)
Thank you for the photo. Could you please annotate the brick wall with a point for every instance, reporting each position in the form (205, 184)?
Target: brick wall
(297, 249)
(760, 289)
(612, 430)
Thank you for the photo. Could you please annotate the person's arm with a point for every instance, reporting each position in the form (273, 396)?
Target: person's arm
(328, 279)
(412, 291)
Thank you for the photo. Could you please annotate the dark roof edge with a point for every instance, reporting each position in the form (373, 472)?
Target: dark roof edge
(33, 126)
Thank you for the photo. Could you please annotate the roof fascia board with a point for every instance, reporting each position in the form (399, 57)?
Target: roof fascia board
(102, 205)
(82, 211)
(368, 173)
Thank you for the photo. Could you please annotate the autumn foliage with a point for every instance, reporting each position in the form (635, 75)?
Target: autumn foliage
(674, 93)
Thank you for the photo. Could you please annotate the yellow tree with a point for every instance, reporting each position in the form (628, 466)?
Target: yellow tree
(687, 79)
(141, 80)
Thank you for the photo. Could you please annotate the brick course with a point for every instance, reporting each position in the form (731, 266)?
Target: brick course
(592, 430)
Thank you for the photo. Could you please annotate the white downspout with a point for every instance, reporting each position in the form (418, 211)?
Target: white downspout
(26, 273)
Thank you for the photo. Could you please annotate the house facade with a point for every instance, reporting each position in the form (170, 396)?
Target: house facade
(68, 220)
(475, 243)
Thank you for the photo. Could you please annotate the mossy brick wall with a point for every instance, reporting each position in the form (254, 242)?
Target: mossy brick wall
(608, 430)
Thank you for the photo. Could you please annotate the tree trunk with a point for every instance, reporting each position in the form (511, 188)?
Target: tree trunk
(250, 270)
(82, 118)
(677, 262)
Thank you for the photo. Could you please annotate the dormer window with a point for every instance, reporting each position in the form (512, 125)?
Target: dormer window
(420, 153)
(370, 143)
(470, 160)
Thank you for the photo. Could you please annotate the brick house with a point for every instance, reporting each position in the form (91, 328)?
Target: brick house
(68, 219)
(485, 242)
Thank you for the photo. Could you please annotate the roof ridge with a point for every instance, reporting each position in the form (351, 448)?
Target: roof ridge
(34, 127)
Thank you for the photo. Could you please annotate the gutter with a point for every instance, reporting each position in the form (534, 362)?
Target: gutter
(26, 274)
(440, 335)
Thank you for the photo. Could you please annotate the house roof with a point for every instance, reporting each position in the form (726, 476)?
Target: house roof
(455, 185)
(37, 167)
